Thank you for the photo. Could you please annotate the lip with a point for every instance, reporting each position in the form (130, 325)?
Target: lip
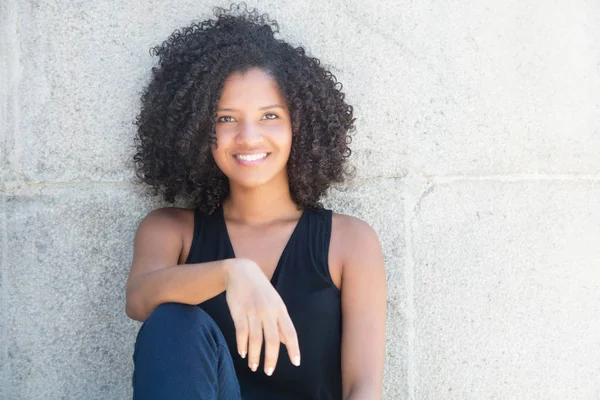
(252, 162)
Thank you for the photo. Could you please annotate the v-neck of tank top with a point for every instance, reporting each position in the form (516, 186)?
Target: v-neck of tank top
(278, 267)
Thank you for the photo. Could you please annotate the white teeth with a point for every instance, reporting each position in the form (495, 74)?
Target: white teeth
(251, 157)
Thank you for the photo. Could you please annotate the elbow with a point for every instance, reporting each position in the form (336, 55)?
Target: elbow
(365, 391)
(132, 313)
(133, 308)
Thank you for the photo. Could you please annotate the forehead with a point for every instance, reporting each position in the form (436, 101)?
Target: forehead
(250, 88)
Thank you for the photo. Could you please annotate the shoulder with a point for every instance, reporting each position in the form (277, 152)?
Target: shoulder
(168, 226)
(167, 219)
(167, 223)
(352, 230)
(353, 239)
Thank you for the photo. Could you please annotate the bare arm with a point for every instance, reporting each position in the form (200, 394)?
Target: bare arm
(363, 312)
(255, 306)
(155, 278)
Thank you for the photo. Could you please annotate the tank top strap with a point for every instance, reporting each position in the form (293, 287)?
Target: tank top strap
(208, 242)
(317, 234)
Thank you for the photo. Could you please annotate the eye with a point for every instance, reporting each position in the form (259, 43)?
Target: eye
(225, 118)
(270, 116)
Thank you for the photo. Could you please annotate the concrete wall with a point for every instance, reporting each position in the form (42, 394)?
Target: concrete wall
(478, 155)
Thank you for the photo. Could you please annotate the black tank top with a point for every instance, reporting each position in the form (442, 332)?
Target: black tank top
(303, 281)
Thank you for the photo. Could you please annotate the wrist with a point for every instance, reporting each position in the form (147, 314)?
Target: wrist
(226, 269)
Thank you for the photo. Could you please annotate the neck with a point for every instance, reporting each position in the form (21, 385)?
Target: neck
(256, 206)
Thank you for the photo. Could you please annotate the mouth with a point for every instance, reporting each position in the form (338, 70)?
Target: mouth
(251, 159)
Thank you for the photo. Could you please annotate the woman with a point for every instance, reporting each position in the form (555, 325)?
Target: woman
(257, 291)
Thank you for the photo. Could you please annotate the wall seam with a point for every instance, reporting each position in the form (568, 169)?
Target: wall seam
(514, 177)
(409, 276)
(15, 186)
(9, 119)
(5, 374)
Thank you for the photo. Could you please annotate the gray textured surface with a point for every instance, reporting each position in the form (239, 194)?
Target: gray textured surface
(506, 288)
(477, 148)
(65, 269)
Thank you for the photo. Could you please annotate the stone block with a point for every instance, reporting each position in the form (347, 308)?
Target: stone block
(83, 67)
(504, 88)
(67, 253)
(77, 92)
(507, 290)
(66, 256)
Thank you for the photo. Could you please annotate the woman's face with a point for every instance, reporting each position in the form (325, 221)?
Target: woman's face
(253, 129)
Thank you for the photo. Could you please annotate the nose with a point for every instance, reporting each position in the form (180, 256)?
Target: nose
(249, 134)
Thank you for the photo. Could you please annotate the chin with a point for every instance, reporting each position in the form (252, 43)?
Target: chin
(250, 182)
(256, 179)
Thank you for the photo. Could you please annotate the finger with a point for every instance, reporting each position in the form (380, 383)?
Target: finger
(241, 335)
(289, 338)
(272, 344)
(255, 338)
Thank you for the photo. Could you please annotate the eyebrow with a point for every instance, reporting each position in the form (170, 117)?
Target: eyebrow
(262, 108)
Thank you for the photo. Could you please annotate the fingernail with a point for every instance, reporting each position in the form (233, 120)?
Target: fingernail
(253, 367)
(243, 354)
(270, 371)
(296, 361)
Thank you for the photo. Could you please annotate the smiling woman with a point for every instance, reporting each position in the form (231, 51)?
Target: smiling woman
(256, 274)
(253, 130)
(177, 121)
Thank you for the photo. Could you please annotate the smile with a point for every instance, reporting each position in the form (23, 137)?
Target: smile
(251, 157)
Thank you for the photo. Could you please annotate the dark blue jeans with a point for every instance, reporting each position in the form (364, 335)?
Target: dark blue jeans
(180, 353)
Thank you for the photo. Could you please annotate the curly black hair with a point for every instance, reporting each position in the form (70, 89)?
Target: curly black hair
(176, 123)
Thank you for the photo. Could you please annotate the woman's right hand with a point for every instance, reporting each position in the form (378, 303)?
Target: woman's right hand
(258, 312)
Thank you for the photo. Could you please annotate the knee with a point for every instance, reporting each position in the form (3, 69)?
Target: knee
(176, 315)
(172, 325)
(180, 322)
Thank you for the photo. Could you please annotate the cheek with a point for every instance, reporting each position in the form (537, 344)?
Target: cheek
(283, 137)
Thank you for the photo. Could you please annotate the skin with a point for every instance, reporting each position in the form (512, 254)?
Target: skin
(260, 216)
